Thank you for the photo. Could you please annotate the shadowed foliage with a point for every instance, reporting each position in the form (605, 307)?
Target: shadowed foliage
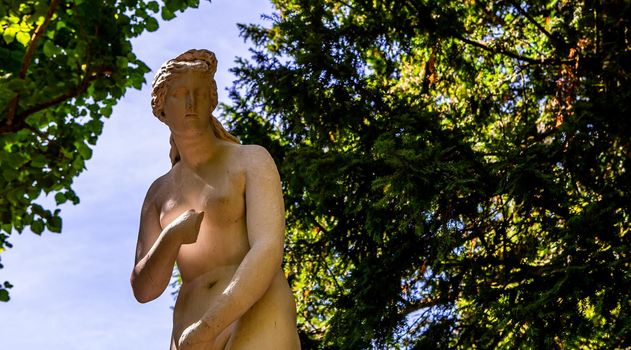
(455, 172)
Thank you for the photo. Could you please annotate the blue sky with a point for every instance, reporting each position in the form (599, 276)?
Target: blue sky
(72, 290)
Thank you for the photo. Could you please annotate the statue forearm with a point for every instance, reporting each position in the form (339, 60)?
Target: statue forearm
(152, 273)
(248, 285)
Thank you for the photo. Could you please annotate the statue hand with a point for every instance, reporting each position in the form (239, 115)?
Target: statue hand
(197, 337)
(186, 226)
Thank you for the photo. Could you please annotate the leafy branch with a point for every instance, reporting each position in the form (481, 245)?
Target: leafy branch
(558, 42)
(485, 47)
(28, 57)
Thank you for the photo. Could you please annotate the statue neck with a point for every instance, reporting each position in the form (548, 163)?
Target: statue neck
(196, 150)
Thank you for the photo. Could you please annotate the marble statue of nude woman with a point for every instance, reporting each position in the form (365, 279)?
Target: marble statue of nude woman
(219, 213)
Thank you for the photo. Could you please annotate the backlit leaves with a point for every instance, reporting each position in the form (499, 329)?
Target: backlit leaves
(63, 66)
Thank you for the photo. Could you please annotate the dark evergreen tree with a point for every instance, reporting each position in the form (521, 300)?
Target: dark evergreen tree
(456, 172)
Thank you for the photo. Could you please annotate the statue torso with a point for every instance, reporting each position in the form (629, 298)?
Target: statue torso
(207, 266)
(218, 191)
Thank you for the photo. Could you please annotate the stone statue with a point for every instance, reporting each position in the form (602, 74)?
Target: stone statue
(219, 214)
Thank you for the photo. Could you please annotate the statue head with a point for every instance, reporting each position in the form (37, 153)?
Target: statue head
(202, 61)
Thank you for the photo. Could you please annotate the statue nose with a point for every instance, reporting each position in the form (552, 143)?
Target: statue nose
(190, 99)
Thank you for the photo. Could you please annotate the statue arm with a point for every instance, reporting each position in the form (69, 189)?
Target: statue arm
(157, 248)
(265, 220)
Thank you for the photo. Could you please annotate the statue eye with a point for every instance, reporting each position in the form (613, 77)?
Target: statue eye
(179, 92)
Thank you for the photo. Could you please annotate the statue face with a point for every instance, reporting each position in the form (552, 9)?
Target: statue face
(187, 105)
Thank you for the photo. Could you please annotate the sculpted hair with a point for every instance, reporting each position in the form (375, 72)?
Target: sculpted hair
(192, 60)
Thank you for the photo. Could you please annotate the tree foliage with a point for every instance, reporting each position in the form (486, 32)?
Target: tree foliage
(63, 66)
(456, 173)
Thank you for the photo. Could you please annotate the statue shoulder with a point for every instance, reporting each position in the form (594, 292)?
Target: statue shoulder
(256, 156)
(157, 190)
(255, 153)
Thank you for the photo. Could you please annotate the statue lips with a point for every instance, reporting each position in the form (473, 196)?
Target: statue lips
(190, 115)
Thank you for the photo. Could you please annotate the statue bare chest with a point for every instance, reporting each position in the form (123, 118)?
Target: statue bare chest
(220, 195)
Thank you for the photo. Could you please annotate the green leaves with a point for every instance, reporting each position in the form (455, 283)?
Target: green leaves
(84, 151)
(4, 294)
(171, 7)
(37, 227)
(54, 224)
(153, 6)
(60, 198)
(49, 49)
(152, 24)
(17, 28)
(51, 111)
(167, 14)
(23, 38)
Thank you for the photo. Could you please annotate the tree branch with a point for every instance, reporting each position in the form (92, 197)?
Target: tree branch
(424, 303)
(28, 57)
(59, 99)
(502, 51)
(510, 53)
(553, 39)
(39, 32)
(74, 92)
